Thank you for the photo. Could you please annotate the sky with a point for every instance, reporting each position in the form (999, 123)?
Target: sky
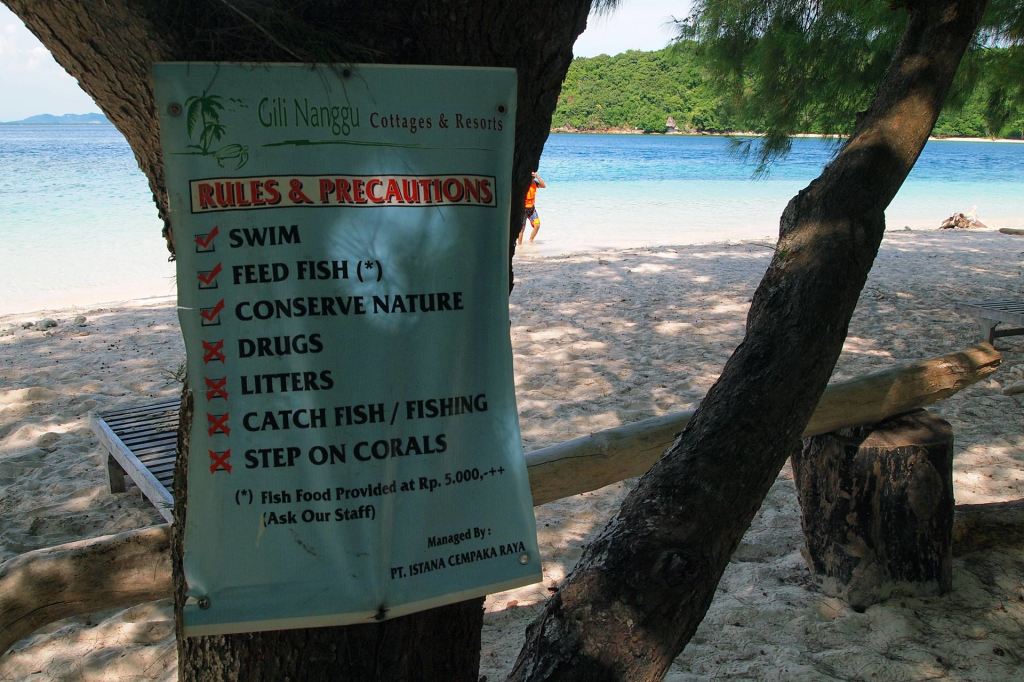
(33, 83)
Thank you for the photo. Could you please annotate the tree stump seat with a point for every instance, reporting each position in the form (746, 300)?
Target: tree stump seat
(877, 508)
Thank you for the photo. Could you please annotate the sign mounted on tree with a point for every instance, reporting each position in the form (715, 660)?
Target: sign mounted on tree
(342, 244)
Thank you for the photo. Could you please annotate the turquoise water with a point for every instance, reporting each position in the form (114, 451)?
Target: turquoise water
(79, 226)
(636, 190)
(77, 220)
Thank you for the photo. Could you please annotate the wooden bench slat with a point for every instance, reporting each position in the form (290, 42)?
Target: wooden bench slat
(144, 420)
(143, 453)
(141, 442)
(166, 438)
(162, 405)
(163, 423)
(158, 458)
(990, 314)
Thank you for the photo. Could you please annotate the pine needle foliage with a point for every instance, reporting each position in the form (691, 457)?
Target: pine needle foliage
(799, 64)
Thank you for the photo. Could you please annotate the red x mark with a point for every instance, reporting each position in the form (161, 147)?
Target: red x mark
(217, 423)
(204, 242)
(208, 278)
(210, 314)
(216, 388)
(219, 461)
(213, 352)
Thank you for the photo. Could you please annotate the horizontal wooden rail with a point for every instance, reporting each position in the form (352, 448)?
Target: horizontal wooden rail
(45, 585)
(594, 461)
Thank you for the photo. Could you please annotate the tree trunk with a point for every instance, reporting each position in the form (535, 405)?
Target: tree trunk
(110, 48)
(640, 590)
(876, 507)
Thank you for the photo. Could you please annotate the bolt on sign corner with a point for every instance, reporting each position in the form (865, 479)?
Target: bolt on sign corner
(342, 247)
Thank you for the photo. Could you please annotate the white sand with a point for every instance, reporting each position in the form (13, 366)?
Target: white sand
(600, 340)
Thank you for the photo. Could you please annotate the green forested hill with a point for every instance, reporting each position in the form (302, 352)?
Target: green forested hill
(640, 90)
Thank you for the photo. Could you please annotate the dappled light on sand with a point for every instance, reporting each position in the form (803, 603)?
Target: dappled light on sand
(53, 480)
(649, 340)
(599, 340)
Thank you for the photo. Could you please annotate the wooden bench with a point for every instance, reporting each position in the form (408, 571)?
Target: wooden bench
(142, 443)
(990, 314)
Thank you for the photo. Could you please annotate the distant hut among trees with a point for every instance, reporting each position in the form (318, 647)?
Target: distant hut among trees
(670, 125)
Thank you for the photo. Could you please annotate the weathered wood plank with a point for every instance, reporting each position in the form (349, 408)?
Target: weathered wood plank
(605, 457)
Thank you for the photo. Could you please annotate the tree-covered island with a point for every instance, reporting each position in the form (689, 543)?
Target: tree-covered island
(641, 91)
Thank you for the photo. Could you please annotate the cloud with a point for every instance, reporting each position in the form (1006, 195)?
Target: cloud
(631, 26)
(29, 70)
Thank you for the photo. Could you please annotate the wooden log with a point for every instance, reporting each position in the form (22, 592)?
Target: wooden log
(602, 458)
(975, 527)
(557, 471)
(986, 526)
(876, 506)
(111, 571)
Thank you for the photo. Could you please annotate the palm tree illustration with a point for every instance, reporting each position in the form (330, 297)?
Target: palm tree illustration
(204, 111)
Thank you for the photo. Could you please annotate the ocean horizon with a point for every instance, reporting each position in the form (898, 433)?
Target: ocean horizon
(80, 226)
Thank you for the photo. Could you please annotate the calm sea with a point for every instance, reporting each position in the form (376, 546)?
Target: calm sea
(643, 190)
(78, 222)
(78, 225)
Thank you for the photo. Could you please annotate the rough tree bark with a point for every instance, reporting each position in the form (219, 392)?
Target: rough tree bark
(640, 590)
(110, 48)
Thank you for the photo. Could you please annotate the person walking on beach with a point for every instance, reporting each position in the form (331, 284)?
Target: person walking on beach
(530, 215)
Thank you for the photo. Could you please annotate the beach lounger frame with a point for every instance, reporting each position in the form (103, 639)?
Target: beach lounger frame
(142, 443)
(990, 314)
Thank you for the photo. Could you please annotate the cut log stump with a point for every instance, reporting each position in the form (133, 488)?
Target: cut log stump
(877, 508)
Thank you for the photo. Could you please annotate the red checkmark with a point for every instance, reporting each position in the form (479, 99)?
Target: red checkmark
(208, 277)
(205, 241)
(210, 314)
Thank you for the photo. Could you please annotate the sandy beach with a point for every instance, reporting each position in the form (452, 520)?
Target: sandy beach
(600, 339)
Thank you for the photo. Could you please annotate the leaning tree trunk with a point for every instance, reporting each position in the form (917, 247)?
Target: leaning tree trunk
(642, 587)
(110, 48)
